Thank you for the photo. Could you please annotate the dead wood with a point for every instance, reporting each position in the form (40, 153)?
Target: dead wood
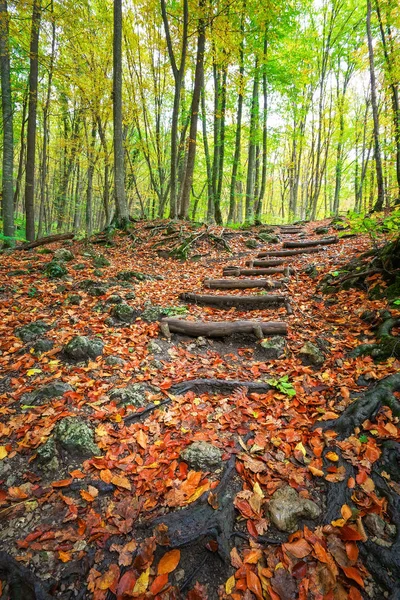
(218, 386)
(23, 584)
(265, 263)
(312, 243)
(228, 301)
(288, 252)
(241, 284)
(219, 329)
(136, 416)
(50, 239)
(237, 271)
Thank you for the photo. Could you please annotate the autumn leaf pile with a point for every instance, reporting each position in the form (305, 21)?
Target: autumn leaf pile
(93, 518)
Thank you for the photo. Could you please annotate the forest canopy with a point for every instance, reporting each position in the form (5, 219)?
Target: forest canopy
(232, 111)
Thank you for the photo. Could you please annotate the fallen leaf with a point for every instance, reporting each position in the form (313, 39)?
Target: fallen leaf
(169, 562)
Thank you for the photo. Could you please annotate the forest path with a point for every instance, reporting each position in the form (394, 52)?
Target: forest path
(149, 511)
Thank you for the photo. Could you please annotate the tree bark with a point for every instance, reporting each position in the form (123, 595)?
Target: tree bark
(375, 114)
(254, 118)
(7, 200)
(223, 328)
(198, 84)
(121, 206)
(311, 243)
(241, 284)
(288, 252)
(31, 133)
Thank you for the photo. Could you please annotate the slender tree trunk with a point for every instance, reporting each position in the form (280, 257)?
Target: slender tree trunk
(31, 137)
(121, 206)
(375, 114)
(238, 134)
(198, 84)
(21, 158)
(261, 193)
(106, 187)
(7, 200)
(217, 142)
(43, 175)
(210, 204)
(251, 163)
(90, 172)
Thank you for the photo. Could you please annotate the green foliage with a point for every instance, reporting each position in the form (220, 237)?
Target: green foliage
(375, 225)
(283, 385)
(171, 311)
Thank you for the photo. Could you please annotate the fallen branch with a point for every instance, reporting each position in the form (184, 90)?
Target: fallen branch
(229, 301)
(312, 243)
(241, 284)
(288, 252)
(265, 263)
(50, 239)
(218, 386)
(218, 329)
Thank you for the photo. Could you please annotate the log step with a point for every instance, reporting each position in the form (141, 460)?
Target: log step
(237, 271)
(219, 329)
(246, 302)
(288, 252)
(311, 243)
(265, 263)
(241, 284)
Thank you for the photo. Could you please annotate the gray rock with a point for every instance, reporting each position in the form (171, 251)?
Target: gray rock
(113, 361)
(63, 254)
(286, 507)
(83, 348)
(29, 332)
(200, 341)
(157, 364)
(202, 456)
(55, 389)
(311, 355)
(100, 261)
(134, 394)
(273, 347)
(123, 313)
(153, 313)
(42, 345)
(47, 456)
(75, 437)
(153, 347)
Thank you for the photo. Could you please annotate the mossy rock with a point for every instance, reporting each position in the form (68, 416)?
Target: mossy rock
(311, 271)
(55, 270)
(76, 437)
(321, 230)
(16, 272)
(29, 332)
(97, 290)
(134, 394)
(43, 345)
(86, 284)
(123, 313)
(55, 389)
(83, 348)
(202, 456)
(393, 290)
(101, 261)
(311, 355)
(129, 275)
(114, 361)
(63, 255)
(252, 243)
(79, 267)
(273, 347)
(130, 296)
(74, 299)
(114, 299)
(269, 238)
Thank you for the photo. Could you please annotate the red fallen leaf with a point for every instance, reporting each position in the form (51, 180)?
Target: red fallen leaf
(300, 570)
(212, 546)
(254, 584)
(354, 574)
(354, 594)
(299, 549)
(165, 385)
(348, 533)
(158, 584)
(126, 585)
(251, 528)
(169, 562)
(62, 483)
(321, 553)
(352, 551)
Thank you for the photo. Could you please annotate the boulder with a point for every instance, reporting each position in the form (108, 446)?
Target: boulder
(29, 332)
(55, 389)
(55, 269)
(134, 394)
(252, 243)
(311, 355)
(123, 312)
(100, 261)
(63, 254)
(83, 348)
(114, 299)
(269, 238)
(273, 347)
(97, 290)
(321, 230)
(286, 507)
(202, 456)
(153, 347)
(74, 299)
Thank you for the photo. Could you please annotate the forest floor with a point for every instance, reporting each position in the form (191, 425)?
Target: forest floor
(105, 506)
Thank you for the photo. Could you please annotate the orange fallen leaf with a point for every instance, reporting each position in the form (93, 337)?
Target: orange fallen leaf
(254, 584)
(354, 574)
(169, 562)
(346, 512)
(159, 583)
(121, 481)
(64, 556)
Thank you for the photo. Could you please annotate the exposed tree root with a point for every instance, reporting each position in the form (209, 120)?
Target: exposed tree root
(366, 407)
(23, 585)
(389, 345)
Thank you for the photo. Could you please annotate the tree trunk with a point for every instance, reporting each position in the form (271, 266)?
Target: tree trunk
(198, 84)
(89, 189)
(251, 163)
(210, 203)
(375, 114)
(31, 135)
(7, 201)
(261, 194)
(21, 153)
(121, 206)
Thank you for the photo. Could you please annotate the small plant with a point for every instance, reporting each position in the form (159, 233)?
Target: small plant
(32, 292)
(170, 311)
(283, 385)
